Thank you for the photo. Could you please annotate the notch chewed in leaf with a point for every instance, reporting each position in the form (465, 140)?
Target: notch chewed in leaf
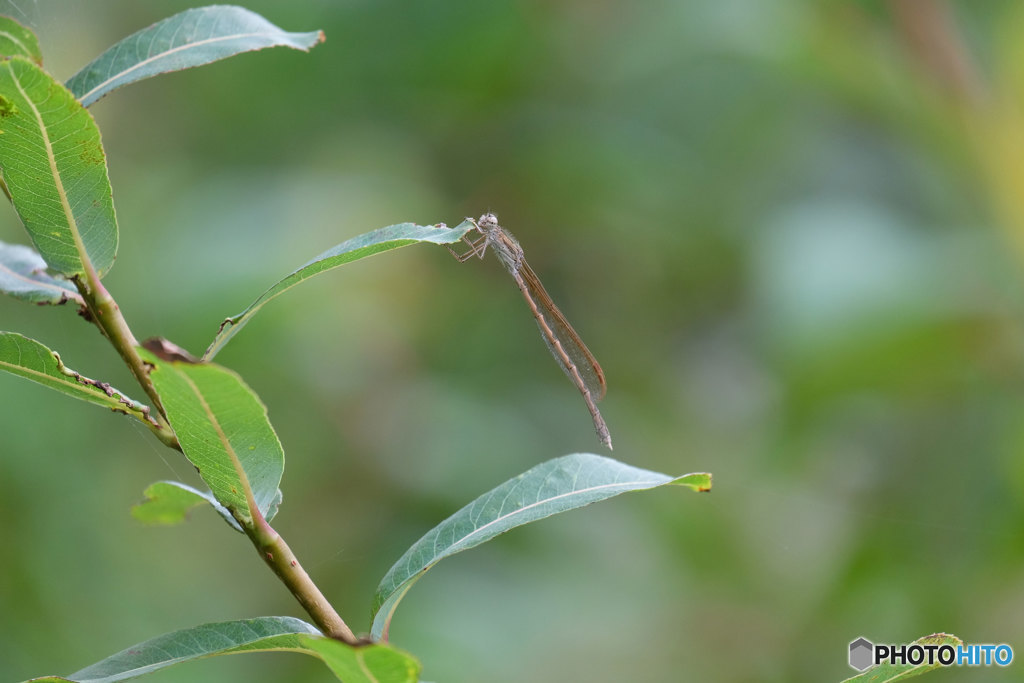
(27, 358)
(188, 39)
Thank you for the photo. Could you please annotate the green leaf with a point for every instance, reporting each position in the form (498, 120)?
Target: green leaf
(167, 502)
(376, 663)
(188, 39)
(208, 640)
(887, 673)
(15, 39)
(223, 429)
(368, 244)
(23, 275)
(552, 487)
(55, 170)
(29, 359)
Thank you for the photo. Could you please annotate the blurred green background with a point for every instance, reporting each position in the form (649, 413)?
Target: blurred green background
(792, 232)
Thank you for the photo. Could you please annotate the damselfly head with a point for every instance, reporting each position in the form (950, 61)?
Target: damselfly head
(487, 222)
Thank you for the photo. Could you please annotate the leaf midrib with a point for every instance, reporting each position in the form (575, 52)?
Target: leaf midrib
(250, 499)
(361, 661)
(161, 55)
(58, 181)
(17, 41)
(38, 283)
(78, 388)
(525, 508)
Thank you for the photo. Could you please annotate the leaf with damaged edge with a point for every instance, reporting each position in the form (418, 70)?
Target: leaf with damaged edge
(367, 244)
(15, 39)
(168, 502)
(889, 673)
(56, 171)
(223, 429)
(23, 275)
(555, 486)
(187, 39)
(27, 358)
(377, 663)
(207, 640)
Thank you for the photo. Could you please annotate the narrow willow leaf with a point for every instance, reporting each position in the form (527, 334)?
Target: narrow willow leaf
(889, 673)
(167, 502)
(208, 640)
(377, 663)
(23, 275)
(191, 38)
(29, 359)
(55, 169)
(15, 39)
(555, 486)
(223, 429)
(367, 244)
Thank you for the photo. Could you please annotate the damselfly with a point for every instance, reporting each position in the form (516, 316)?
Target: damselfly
(565, 345)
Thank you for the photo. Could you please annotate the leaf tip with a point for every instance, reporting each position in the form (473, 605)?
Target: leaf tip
(697, 481)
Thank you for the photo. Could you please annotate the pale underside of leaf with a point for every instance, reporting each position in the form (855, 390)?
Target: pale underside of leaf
(23, 276)
(168, 502)
(31, 360)
(368, 244)
(376, 663)
(208, 640)
(55, 170)
(191, 38)
(558, 485)
(224, 431)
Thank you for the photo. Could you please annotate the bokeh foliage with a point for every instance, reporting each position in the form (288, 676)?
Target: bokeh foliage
(789, 231)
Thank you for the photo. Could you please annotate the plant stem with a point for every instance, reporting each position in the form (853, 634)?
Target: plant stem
(273, 549)
(107, 316)
(280, 558)
(270, 545)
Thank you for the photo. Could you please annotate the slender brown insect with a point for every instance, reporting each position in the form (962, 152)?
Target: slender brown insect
(565, 345)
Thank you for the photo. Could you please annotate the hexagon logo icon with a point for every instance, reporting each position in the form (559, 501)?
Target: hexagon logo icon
(862, 654)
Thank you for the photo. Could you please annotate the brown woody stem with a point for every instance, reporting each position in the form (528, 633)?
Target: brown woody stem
(270, 545)
(280, 558)
(107, 315)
